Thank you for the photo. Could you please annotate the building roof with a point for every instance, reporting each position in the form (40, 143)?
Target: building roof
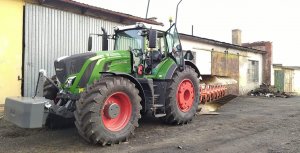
(85, 9)
(220, 43)
(258, 43)
(286, 67)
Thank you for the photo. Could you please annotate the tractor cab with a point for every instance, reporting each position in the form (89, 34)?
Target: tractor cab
(149, 45)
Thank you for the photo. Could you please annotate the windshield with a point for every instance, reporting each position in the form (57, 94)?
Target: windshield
(129, 39)
(136, 41)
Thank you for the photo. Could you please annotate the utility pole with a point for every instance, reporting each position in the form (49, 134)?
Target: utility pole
(147, 9)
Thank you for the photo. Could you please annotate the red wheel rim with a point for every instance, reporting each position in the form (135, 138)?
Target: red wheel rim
(185, 95)
(117, 121)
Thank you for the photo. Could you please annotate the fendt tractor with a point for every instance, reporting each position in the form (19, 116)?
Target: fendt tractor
(105, 92)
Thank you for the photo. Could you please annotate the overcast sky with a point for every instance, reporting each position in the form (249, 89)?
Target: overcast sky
(277, 21)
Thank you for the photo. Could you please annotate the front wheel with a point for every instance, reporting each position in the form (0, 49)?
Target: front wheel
(108, 111)
(182, 97)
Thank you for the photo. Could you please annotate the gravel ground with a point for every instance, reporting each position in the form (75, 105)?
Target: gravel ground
(245, 124)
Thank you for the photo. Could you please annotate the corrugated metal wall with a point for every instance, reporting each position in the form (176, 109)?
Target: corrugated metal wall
(51, 33)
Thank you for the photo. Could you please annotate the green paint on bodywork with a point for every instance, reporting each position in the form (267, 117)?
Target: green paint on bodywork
(161, 70)
(117, 61)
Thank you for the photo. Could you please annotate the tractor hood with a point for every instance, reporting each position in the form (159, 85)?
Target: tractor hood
(67, 65)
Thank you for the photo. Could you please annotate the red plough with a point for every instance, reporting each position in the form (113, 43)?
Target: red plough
(210, 93)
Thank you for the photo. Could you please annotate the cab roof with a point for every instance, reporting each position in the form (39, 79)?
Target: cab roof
(141, 25)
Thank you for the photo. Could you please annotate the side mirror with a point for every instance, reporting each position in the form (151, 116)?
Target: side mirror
(90, 41)
(104, 39)
(189, 55)
(152, 38)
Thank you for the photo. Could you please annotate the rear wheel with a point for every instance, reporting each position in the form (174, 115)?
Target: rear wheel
(182, 97)
(108, 111)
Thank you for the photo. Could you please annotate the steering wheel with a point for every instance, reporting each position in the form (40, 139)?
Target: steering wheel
(137, 52)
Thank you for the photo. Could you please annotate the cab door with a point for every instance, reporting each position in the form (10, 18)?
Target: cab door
(174, 45)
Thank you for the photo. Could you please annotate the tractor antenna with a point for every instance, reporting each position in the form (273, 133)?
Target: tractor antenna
(147, 9)
(177, 11)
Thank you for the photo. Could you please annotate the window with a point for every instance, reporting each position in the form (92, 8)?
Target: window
(160, 43)
(173, 39)
(130, 39)
(252, 71)
(174, 45)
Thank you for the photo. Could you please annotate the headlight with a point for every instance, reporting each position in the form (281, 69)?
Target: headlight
(70, 81)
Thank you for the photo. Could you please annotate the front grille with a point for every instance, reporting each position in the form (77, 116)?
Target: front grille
(87, 74)
(71, 65)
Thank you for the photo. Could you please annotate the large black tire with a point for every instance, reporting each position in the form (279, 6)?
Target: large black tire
(174, 113)
(50, 91)
(91, 111)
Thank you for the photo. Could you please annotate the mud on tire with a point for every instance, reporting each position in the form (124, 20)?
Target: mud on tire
(92, 119)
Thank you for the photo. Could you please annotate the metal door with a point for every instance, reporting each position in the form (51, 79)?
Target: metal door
(279, 80)
(224, 64)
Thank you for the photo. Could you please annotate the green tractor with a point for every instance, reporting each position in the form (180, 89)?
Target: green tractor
(105, 92)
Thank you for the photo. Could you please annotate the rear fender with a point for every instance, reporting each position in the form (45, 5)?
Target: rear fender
(189, 63)
(174, 67)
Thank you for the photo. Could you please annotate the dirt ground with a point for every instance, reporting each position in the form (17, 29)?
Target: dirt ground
(245, 124)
